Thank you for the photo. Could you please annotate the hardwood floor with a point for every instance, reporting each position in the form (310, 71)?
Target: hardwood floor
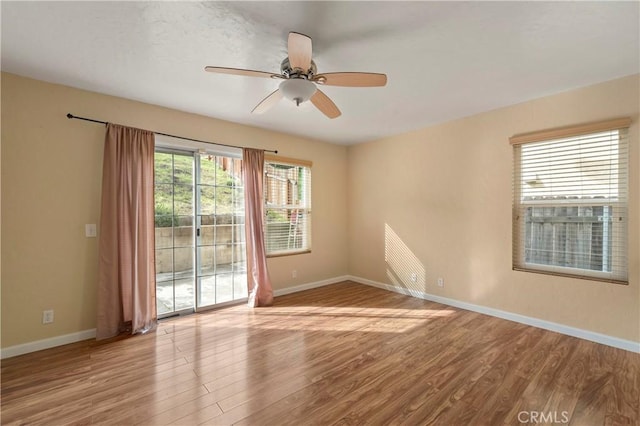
(341, 354)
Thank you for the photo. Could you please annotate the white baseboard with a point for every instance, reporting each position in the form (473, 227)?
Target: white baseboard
(592, 336)
(309, 286)
(604, 339)
(51, 342)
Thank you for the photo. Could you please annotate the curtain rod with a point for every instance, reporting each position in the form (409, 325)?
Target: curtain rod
(70, 116)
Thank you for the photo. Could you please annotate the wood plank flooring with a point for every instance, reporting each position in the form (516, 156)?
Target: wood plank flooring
(342, 354)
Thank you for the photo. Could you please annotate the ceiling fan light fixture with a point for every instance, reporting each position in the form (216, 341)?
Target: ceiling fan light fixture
(298, 90)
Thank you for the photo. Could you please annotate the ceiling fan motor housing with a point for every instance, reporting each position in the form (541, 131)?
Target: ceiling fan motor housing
(285, 69)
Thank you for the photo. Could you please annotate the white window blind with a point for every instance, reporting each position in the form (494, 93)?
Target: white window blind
(570, 202)
(287, 192)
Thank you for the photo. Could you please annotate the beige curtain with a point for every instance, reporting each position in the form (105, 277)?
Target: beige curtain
(260, 291)
(126, 281)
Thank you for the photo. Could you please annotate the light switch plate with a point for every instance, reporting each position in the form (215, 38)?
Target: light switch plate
(90, 230)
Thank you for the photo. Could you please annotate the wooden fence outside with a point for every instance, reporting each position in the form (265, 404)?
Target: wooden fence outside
(569, 236)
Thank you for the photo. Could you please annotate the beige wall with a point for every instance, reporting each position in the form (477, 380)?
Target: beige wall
(51, 176)
(437, 202)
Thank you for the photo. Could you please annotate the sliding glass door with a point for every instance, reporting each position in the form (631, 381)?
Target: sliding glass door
(175, 239)
(199, 217)
(221, 271)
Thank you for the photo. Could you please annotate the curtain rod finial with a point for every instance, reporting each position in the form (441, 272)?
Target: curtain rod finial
(69, 115)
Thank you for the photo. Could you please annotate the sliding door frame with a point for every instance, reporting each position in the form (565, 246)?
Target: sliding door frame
(196, 226)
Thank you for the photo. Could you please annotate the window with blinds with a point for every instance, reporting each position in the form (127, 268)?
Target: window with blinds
(287, 192)
(570, 201)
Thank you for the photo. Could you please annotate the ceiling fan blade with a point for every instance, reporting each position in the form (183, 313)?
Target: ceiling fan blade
(268, 102)
(352, 79)
(325, 105)
(300, 50)
(239, 71)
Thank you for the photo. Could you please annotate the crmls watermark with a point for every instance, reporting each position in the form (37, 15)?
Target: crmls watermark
(554, 417)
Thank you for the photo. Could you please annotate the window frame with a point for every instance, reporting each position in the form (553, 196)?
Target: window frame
(519, 206)
(307, 208)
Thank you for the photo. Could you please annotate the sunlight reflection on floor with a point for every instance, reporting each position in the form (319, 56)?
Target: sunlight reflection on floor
(314, 318)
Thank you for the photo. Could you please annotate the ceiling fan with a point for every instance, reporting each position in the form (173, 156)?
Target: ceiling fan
(300, 77)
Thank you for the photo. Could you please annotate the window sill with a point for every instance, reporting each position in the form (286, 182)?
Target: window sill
(289, 253)
(568, 275)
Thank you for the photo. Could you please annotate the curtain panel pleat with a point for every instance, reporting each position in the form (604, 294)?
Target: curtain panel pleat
(258, 281)
(126, 281)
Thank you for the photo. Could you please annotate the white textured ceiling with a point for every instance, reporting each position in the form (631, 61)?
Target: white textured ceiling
(444, 60)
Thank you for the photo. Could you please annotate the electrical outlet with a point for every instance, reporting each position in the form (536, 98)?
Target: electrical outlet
(440, 282)
(414, 277)
(294, 274)
(47, 316)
